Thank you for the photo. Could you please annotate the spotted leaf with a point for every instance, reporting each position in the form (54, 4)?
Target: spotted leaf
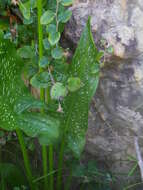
(76, 105)
(15, 99)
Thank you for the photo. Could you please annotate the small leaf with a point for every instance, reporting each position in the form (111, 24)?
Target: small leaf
(28, 22)
(74, 83)
(47, 17)
(64, 16)
(66, 2)
(58, 91)
(51, 28)
(44, 62)
(25, 52)
(40, 80)
(57, 53)
(46, 44)
(54, 38)
(33, 3)
(25, 9)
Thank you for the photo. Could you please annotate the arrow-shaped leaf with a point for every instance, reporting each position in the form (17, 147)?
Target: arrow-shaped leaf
(15, 99)
(77, 104)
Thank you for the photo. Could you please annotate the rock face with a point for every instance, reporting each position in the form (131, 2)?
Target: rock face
(117, 111)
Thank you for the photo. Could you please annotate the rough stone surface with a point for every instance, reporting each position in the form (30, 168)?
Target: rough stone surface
(117, 111)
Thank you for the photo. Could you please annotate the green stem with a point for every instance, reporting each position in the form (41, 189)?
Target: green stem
(57, 9)
(42, 91)
(60, 166)
(2, 185)
(0, 154)
(45, 168)
(61, 154)
(68, 180)
(40, 29)
(51, 167)
(26, 159)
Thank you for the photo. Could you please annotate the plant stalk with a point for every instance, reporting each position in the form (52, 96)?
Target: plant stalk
(51, 152)
(60, 165)
(45, 168)
(51, 177)
(68, 180)
(0, 154)
(26, 159)
(42, 91)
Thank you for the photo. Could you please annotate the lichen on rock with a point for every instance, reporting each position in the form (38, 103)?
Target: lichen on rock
(117, 111)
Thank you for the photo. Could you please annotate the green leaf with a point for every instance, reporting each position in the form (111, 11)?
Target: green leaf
(54, 38)
(95, 68)
(12, 87)
(44, 127)
(51, 28)
(76, 105)
(28, 22)
(13, 92)
(46, 44)
(66, 2)
(64, 16)
(44, 62)
(40, 80)
(33, 3)
(58, 91)
(74, 83)
(27, 103)
(1, 33)
(47, 17)
(57, 53)
(25, 52)
(25, 9)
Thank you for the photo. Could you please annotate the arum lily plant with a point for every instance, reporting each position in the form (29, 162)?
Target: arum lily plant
(59, 118)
